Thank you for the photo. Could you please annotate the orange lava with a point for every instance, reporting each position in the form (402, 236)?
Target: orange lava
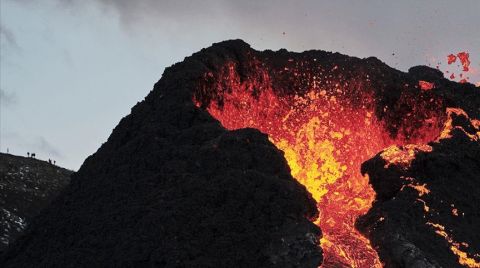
(451, 58)
(424, 85)
(448, 129)
(324, 145)
(325, 139)
(402, 157)
(464, 59)
(455, 247)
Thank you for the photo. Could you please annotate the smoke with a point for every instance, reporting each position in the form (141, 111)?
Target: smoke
(394, 30)
(402, 33)
(8, 99)
(7, 36)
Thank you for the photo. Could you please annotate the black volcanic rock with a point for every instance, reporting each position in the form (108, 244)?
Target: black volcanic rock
(172, 188)
(429, 203)
(426, 73)
(27, 186)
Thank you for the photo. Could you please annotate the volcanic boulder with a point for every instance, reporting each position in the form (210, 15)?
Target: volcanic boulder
(172, 188)
(329, 113)
(426, 210)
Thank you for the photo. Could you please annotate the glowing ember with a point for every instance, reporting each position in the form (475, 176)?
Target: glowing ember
(325, 139)
(464, 59)
(403, 156)
(324, 145)
(455, 247)
(448, 128)
(451, 58)
(426, 208)
(454, 211)
(421, 189)
(424, 85)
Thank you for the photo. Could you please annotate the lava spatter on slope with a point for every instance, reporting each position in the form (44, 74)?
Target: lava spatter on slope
(180, 182)
(426, 214)
(326, 130)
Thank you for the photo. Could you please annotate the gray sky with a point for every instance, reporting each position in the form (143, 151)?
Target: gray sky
(70, 70)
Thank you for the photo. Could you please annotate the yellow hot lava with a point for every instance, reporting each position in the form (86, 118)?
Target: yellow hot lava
(325, 139)
(403, 156)
(324, 143)
(463, 258)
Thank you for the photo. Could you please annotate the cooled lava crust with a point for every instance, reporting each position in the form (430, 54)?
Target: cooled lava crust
(426, 213)
(27, 185)
(188, 179)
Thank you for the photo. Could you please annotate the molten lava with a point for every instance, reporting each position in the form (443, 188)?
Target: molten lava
(451, 58)
(464, 59)
(424, 85)
(325, 139)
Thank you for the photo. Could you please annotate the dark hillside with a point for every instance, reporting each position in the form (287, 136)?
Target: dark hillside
(27, 185)
(173, 187)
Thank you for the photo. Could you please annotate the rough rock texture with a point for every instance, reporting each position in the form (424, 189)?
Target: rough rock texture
(430, 202)
(399, 103)
(27, 186)
(172, 188)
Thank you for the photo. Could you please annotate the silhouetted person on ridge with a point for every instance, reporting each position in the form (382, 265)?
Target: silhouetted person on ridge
(28, 154)
(33, 155)
(49, 161)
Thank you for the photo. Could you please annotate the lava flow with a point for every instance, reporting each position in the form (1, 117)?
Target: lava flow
(325, 138)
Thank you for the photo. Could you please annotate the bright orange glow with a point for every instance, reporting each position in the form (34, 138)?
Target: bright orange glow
(421, 189)
(455, 247)
(324, 145)
(454, 211)
(464, 59)
(448, 128)
(325, 139)
(424, 85)
(426, 208)
(451, 58)
(402, 156)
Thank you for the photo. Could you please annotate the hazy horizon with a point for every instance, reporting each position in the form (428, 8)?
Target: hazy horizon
(70, 70)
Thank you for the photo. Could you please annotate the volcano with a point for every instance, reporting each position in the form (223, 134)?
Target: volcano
(240, 157)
